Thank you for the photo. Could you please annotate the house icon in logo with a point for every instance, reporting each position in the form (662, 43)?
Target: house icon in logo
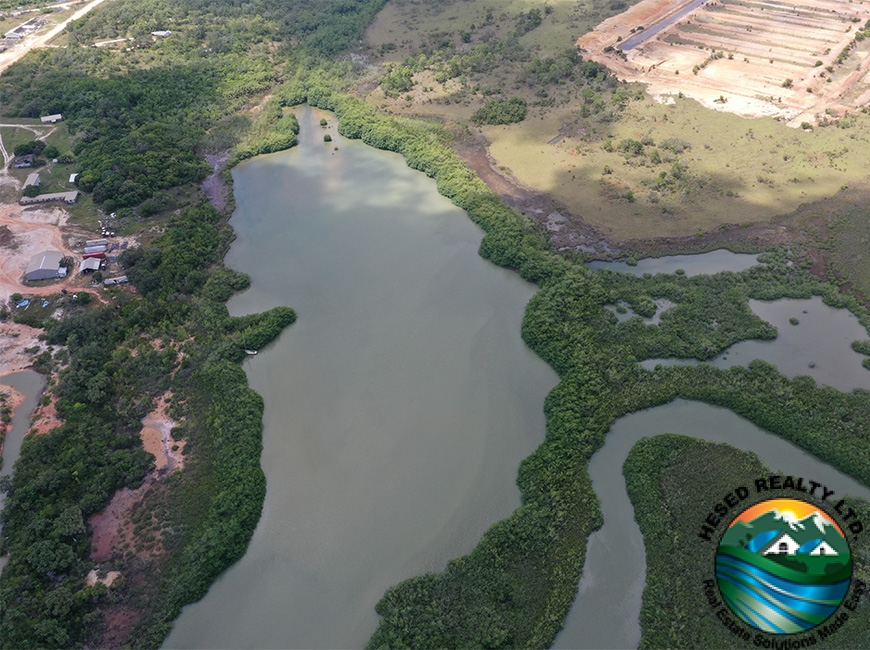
(784, 544)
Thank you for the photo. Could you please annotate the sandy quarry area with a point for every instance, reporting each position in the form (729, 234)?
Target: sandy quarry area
(157, 439)
(777, 58)
(23, 233)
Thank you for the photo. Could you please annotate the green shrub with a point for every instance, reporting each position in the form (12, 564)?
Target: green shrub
(501, 111)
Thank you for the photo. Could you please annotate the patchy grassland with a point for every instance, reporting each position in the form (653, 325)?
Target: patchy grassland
(413, 25)
(735, 170)
(443, 29)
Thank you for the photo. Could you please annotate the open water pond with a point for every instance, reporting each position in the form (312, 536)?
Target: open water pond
(819, 345)
(709, 263)
(605, 613)
(397, 408)
(29, 384)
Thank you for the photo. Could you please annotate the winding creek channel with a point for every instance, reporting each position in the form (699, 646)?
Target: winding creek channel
(29, 384)
(606, 611)
(400, 404)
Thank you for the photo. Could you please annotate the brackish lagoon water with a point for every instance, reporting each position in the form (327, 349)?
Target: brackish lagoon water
(29, 384)
(605, 614)
(397, 408)
(820, 345)
(400, 404)
(709, 263)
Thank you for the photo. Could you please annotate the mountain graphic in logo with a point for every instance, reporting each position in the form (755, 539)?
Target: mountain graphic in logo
(783, 566)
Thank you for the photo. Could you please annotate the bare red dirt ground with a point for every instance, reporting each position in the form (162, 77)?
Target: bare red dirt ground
(750, 57)
(45, 418)
(114, 534)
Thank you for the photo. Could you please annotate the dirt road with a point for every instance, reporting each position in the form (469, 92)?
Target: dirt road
(17, 51)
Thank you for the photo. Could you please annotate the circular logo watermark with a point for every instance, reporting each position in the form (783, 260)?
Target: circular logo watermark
(783, 566)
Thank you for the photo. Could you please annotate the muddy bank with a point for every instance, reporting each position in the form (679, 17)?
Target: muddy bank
(213, 186)
(10, 400)
(568, 232)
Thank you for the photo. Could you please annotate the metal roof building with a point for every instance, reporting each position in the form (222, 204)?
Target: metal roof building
(89, 264)
(45, 266)
(32, 179)
(68, 197)
(51, 119)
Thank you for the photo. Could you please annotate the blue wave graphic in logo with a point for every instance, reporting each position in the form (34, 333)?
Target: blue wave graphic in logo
(774, 603)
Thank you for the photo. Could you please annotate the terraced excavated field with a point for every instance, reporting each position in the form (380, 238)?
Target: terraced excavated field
(801, 60)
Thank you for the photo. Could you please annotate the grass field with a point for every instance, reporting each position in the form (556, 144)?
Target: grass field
(409, 27)
(850, 247)
(734, 171)
(412, 25)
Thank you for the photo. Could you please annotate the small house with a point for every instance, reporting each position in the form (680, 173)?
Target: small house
(162, 33)
(824, 549)
(22, 162)
(73, 177)
(89, 265)
(782, 544)
(119, 280)
(32, 179)
(52, 119)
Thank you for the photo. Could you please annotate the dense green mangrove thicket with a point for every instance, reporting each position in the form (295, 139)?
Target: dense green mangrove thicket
(659, 473)
(141, 123)
(142, 119)
(177, 336)
(516, 586)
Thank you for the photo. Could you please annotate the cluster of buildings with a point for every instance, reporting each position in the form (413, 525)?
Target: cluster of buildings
(26, 161)
(52, 264)
(95, 256)
(48, 265)
(24, 29)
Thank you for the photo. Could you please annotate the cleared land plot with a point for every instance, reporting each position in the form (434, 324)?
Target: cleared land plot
(730, 170)
(799, 60)
(735, 171)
